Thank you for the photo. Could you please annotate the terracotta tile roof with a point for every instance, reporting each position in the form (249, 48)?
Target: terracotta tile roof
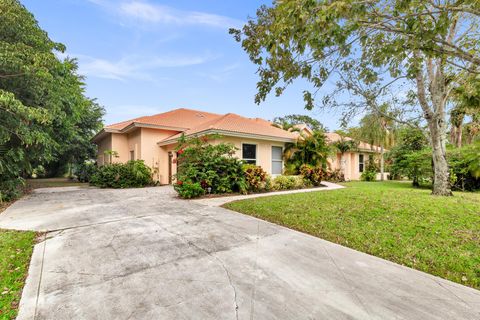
(178, 118)
(237, 124)
(334, 137)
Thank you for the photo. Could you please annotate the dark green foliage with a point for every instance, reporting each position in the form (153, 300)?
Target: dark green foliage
(213, 166)
(133, 174)
(465, 167)
(255, 177)
(411, 157)
(45, 118)
(84, 171)
(313, 175)
(188, 190)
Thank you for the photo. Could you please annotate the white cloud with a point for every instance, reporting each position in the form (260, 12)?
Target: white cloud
(134, 67)
(148, 13)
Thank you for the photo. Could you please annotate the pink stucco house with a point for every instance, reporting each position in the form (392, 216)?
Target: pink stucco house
(154, 138)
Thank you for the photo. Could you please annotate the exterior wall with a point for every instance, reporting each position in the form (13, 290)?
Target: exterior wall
(350, 166)
(134, 144)
(154, 156)
(104, 145)
(120, 145)
(264, 150)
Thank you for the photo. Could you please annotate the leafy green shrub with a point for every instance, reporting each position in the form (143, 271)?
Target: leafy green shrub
(312, 174)
(465, 167)
(188, 190)
(213, 166)
(369, 176)
(39, 172)
(255, 177)
(11, 188)
(85, 171)
(133, 174)
(284, 183)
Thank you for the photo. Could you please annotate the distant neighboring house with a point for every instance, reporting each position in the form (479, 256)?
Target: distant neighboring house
(154, 139)
(352, 163)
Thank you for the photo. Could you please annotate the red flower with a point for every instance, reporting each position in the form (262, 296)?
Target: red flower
(181, 151)
(179, 183)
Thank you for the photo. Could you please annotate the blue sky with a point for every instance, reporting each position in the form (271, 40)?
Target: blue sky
(142, 57)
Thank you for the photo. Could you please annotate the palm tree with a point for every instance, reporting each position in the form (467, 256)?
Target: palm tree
(344, 145)
(309, 149)
(377, 128)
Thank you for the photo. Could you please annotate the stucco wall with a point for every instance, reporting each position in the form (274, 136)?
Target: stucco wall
(264, 150)
(103, 145)
(154, 156)
(120, 145)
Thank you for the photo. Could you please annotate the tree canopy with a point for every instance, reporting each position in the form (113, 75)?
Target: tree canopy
(374, 50)
(289, 121)
(44, 113)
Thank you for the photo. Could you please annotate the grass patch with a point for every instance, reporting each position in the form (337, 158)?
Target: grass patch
(391, 220)
(16, 249)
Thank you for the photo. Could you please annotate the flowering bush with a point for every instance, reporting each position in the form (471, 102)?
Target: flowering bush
(312, 174)
(255, 177)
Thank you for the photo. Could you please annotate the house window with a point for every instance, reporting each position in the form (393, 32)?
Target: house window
(361, 162)
(249, 153)
(277, 160)
(132, 155)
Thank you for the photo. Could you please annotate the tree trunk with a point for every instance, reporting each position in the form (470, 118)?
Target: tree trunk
(382, 163)
(458, 140)
(435, 116)
(441, 174)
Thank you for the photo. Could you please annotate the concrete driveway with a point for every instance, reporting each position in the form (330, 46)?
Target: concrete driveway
(143, 254)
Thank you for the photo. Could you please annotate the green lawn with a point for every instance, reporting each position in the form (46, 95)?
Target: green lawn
(392, 220)
(15, 252)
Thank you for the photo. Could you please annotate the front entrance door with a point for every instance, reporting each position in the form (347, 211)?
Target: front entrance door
(170, 159)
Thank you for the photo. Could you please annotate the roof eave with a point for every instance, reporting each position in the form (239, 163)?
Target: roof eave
(230, 134)
(102, 133)
(134, 125)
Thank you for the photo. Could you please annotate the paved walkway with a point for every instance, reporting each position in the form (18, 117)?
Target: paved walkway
(143, 254)
(218, 201)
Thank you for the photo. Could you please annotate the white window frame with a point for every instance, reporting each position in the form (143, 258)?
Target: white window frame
(276, 160)
(361, 163)
(256, 152)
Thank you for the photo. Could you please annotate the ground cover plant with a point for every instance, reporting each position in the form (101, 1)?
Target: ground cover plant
(391, 220)
(16, 249)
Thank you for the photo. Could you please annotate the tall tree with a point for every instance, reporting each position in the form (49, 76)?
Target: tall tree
(43, 109)
(291, 120)
(387, 42)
